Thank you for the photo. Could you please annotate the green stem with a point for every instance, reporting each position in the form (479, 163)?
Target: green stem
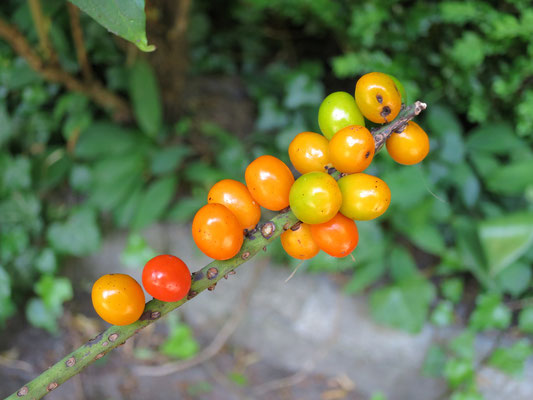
(206, 278)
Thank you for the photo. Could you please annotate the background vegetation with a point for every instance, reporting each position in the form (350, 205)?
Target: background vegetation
(455, 246)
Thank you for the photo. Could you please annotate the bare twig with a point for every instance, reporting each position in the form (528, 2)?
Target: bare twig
(79, 45)
(218, 342)
(41, 26)
(95, 90)
(181, 20)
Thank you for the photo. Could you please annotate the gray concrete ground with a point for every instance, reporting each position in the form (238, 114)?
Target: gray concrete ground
(305, 327)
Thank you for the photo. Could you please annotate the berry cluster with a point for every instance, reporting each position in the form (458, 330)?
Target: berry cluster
(330, 195)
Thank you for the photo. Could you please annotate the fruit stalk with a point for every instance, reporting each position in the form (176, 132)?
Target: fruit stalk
(205, 278)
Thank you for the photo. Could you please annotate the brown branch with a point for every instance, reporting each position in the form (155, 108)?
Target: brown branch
(94, 90)
(181, 20)
(41, 26)
(77, 37)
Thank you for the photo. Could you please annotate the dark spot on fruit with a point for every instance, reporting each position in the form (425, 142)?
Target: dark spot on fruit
(367, 154)
(385, 112)
(379, 98)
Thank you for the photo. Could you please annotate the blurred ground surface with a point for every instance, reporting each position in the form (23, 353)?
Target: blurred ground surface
(302, 339)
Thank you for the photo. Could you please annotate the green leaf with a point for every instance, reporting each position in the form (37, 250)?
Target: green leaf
(54, 291)
(103, 139)
(180, 342)
(302, 90)
(154, 202)
(80, 178)
(199, 388)
(514, 279)
(364, 276)
(238, 378)
(7, 309)
(511, 179)
(13, 243)
(434, 362)
(452, 289)
(402, 264)
(185, 209)
(462, 345)
(15, 174)
(123, 18)
(505, 239)
(114, 179)
(428, 238)
(404, 305)
(470, 250)
(41, 316)
(5, 284)
(78, 235)
(406, 185)
(495, 138)
(511, 360)
(490, 313)
(443, 314)
(125, 211)
(137, 252)
(46, 261)
(145, 97)
(525, 320)
(168, 159)
(467, 394)
(458, 371)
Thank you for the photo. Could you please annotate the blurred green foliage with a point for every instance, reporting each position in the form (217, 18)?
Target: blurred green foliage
(460, 222)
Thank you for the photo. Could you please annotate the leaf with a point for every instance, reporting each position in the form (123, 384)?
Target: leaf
(180, 342)
(406, 186)
(123, 18)
(125, 211)
(137, 252)
(168, 159)
(5, 284)
(46, 261)
(154, 202)
(364, 276)
(467, 394)
(115, 179)
(302, 90)
(428, 238)
(145, 97)
(511, 179)
(443, 314)
(434, 362)
(402, 264)
(404, 305)
(512, 360)
(185, 209)
(77, 236)
(54, 291)
(490, 313)
(238, 378)
(525, 320)
(103, 139)
(495, 138)
(15, 174)
(40, 316)
(505, 239)
(452, 289)
(462, 345)
(7, 309)
(458, 371)
(514, 279)
(470, 250)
